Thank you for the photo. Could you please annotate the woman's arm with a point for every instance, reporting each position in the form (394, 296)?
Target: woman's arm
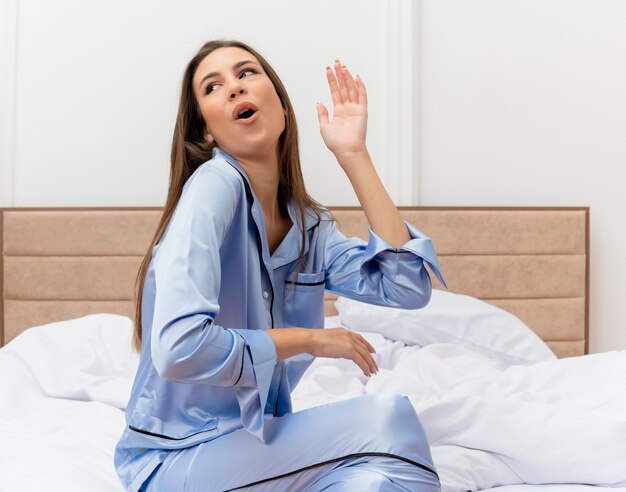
(345, 137)
(388, 270)
(337, 343)
(291, 341)
(186, 343)
(381, 212)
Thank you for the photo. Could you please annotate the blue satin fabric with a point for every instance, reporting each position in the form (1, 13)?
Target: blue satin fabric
(371, 443)
(207, 366)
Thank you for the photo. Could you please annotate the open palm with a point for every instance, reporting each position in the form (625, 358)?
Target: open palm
(346, 132)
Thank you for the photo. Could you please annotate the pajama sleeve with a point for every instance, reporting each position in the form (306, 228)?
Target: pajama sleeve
(377, 273)
(187, 345)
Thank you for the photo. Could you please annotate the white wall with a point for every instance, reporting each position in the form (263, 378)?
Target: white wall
(523, 102)
(519, 102)
(8, 49)
(97, 85)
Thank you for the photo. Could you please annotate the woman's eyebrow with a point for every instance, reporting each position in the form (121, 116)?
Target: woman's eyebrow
(215, 74)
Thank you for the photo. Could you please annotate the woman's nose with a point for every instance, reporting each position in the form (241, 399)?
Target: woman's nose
(240, 92)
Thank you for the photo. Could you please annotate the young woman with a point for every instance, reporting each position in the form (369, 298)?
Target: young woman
(230, 300)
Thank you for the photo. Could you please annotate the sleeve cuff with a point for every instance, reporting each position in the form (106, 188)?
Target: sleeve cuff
(419, 244)
(252, 386)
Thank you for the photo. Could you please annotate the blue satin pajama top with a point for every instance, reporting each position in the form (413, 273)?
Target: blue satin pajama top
(207, 366)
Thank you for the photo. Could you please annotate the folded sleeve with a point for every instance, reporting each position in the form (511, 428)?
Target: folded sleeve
(377, 273)
(187, 345)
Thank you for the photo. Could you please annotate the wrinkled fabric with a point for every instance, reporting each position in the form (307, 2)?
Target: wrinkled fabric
(207, 366)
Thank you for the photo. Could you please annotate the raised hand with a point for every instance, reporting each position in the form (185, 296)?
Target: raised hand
(345, 134)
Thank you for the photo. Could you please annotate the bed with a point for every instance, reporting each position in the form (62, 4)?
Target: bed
(497, 366)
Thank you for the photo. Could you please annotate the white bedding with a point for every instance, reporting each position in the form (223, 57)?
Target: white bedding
(63, 388)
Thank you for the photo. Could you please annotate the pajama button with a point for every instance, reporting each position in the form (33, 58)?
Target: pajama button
(265, 294)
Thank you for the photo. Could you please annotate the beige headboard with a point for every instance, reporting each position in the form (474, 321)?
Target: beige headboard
(63, 263)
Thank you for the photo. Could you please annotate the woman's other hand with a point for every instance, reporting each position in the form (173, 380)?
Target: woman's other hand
(339, 343)
(345, 134)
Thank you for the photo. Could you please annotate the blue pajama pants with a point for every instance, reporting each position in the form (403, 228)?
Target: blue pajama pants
(370, 443)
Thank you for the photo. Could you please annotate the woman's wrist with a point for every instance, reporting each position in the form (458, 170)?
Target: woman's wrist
(292, 341)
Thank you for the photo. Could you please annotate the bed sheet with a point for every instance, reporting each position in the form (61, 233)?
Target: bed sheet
(63, 389)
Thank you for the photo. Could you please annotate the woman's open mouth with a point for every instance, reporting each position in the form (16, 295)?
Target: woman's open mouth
(246, 117)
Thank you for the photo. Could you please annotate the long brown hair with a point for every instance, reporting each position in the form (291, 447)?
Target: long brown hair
(190, 150)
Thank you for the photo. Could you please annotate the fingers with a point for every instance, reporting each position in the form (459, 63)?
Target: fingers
(322, 114)
(334, 87)
(367, 344)
(362, 92)
(345, 344)
(353, 93)
(343, 88)
(364, 348)
(364, 360)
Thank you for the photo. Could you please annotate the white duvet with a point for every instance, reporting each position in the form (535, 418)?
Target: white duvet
(63, 388)
(561, 421)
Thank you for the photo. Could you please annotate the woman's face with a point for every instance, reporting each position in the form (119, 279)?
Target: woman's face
(221, 83)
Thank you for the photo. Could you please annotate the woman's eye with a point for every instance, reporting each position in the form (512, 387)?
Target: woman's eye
(210, 86)
(248, 70)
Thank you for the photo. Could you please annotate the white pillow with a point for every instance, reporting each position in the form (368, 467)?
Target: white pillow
(86, 359)
(451, 318)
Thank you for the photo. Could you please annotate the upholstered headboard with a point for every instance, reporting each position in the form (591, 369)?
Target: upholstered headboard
(63, 263)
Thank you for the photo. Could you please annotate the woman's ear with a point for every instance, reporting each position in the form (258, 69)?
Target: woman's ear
(208, 137)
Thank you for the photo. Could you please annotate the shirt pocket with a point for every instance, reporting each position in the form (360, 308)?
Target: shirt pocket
(173, 431)
(304, 300)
